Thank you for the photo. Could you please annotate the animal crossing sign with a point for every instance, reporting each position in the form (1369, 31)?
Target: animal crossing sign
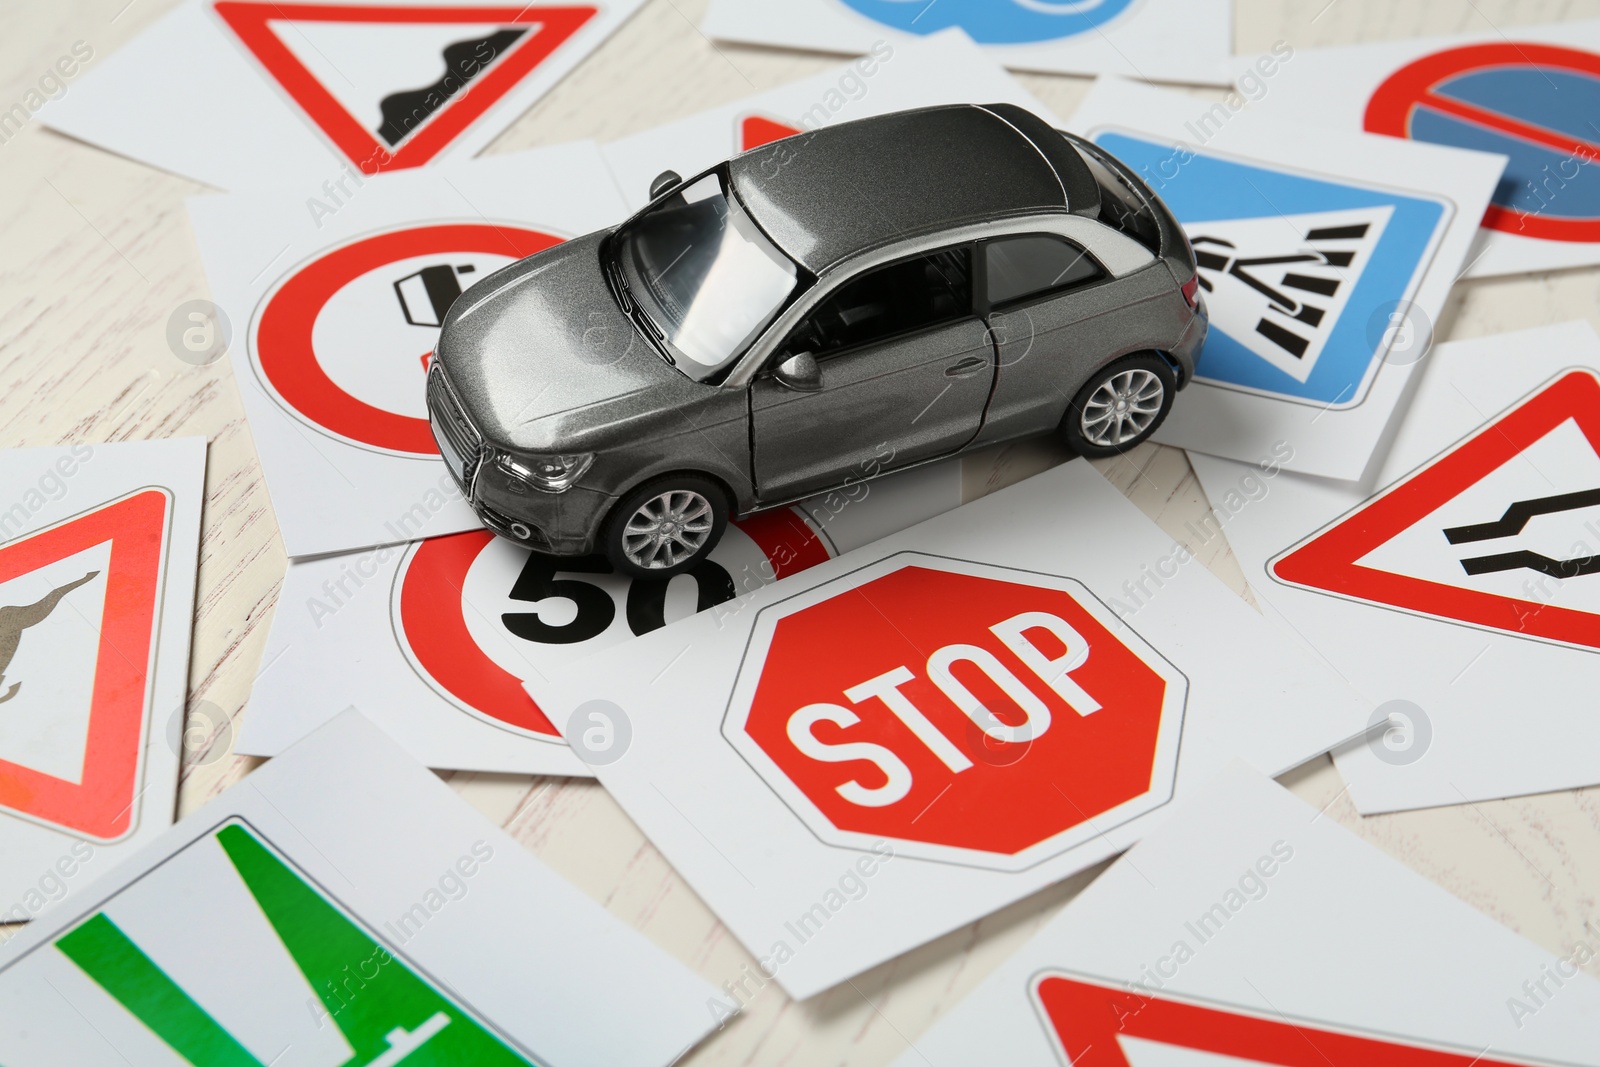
(970, 714)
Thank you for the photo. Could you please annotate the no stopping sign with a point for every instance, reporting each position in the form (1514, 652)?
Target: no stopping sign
(1535, 104)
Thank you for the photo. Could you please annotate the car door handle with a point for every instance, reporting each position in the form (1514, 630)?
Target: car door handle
(970, 365)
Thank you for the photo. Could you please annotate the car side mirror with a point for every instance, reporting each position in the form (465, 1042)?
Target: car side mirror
(799, 372)
(665, 182)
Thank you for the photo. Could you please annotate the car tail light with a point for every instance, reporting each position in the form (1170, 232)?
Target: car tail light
(1191, 290)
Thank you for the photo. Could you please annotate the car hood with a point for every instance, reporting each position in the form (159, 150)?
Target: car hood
(535, 348)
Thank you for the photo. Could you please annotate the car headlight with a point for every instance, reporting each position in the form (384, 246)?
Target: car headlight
(548, 474)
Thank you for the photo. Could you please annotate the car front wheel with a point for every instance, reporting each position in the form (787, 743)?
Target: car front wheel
(666, 526)
(1120, 406)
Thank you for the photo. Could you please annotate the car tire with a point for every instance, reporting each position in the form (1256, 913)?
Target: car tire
(1120, 405)
(665, 526)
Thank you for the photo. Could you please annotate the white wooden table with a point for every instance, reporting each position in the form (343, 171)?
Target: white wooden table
(95, 252)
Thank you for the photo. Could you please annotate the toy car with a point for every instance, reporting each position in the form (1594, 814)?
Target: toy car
(856, 299)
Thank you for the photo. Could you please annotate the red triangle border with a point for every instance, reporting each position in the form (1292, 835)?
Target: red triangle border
(102, 805)
(1326, 561)
(1085, 1018)
(249, 21)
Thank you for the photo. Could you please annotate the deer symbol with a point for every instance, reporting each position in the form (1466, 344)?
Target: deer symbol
(15, 619)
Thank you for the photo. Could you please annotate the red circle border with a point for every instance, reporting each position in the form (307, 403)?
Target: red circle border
(283, 348)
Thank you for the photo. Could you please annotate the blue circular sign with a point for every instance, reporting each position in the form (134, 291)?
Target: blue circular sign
(994, 21)
(1533, 103)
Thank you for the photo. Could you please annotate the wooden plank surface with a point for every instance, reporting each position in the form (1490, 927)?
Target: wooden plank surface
(96, 252)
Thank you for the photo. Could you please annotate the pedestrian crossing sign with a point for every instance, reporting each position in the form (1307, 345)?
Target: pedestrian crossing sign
(1301, 272)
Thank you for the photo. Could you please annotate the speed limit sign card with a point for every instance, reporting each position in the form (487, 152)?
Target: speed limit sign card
(1530, 93)
(1324, 257)
(434, 641)
(1460, 594)
(867, 754)
(1168, 40)
(331, 315)
(1252, 930)
(341, 906)
(98, 550)
(319, 97)
(946, 68)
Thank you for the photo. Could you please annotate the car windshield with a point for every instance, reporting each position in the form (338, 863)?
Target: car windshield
(708, 279)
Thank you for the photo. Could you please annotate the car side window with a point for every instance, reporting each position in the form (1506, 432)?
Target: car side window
(898, 298)
(1035, 264)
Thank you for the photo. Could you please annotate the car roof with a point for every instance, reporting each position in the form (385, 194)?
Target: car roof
(830, 193)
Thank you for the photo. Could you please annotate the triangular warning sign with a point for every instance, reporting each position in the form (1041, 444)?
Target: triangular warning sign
(1278, 284)
(757, 130)
(1496, 532)
(393, 86)
(1096, 1025)
(79, 608)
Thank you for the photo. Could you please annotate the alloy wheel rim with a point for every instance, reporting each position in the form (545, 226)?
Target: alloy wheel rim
(1122, 408)
(667, 529)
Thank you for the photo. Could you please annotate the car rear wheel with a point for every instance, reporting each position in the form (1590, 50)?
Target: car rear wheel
(666, 526)
(1120, 406)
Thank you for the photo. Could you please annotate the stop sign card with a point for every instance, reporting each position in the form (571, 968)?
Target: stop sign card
(1324, 258)
(98, 549)
(341, 906)
(434, 641)
(319, 97)
(1459, 596)
(1529, 93)
(1164, 40)
(862, 756)
(333, 319)
(946, 68)
(1251, 930)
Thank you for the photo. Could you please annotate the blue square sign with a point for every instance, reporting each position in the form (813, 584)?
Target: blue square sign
(1299, 270)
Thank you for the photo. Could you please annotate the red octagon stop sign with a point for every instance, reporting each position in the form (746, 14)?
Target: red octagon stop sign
(964, 712)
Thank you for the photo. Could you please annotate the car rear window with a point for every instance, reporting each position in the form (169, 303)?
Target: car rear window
(1033, 264)
(1122, 206)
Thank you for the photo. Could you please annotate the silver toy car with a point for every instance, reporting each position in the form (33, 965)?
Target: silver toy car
(856, 299)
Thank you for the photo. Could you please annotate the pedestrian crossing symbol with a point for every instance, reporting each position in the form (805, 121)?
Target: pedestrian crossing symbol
(1501, 531)
(1296, 268)
(1274, 287)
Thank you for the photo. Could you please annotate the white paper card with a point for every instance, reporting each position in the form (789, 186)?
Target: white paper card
(98, 550)
(434, 641)
(1250, 929)
(944, 69)
(269, 94)
(1158, 40)
(335, 314)
(1459, 597)
(1530, 93)
(1323, 257)
(341, 906)
(822, 764)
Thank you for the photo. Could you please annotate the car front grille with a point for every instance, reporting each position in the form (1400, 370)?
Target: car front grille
(453, 431)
